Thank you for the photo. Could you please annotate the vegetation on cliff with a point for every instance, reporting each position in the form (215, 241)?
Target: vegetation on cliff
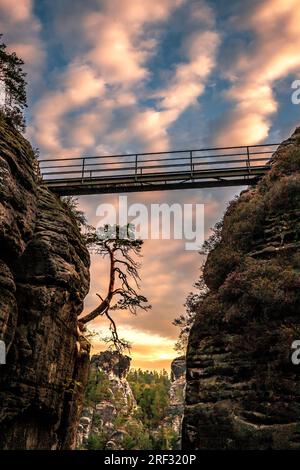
(151, 391)
(13, 98)
(141, 427)
(240, 343)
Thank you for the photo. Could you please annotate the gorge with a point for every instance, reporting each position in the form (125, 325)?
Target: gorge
(242, 390)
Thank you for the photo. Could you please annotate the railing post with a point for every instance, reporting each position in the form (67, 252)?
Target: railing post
(191, 163)
(136, 166)
(248, 160)
(82, 174)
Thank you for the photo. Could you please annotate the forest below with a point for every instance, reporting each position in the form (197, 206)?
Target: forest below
(146, 426)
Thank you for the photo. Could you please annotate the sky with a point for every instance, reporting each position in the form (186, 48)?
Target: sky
(122, 76)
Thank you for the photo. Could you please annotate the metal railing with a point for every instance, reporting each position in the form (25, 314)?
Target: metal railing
(157, 167)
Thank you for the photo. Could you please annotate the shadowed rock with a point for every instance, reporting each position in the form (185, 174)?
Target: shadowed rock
(243, 391)
(44, 277)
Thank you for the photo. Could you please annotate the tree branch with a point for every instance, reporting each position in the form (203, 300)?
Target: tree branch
(128, 296)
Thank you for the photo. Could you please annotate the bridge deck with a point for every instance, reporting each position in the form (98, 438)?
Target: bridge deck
(202, 168)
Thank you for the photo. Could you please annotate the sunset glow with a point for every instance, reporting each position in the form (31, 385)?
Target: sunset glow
(127, 76)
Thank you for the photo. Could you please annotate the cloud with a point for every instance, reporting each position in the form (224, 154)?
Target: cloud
(147, 351)
(118, 38)
(16, 12)
(186, 84)
(117, 41)
(113, 52)
(79, 85)
(116, 48)
(189, 78)
(254, 70)
(21, 30)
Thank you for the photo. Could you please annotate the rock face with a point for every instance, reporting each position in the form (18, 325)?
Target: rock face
(113, 363)
(44, 277)
(116, 367)
(243, 391)
(175, 412)
(178, 368)
(101, 416)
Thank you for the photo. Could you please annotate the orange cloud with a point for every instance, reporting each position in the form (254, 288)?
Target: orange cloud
(167, 276)
(149, 351)
(17, 12)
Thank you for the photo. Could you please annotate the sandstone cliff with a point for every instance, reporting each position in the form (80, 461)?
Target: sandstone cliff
(175, 411)
(243, 391)
(108, 398)
(44, 277)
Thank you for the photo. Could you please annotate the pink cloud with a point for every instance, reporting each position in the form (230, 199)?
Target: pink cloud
(113, 52)
(79, 85)
(188, 82)
(119, 47)
(116, 52)
(17, 11)
(273, 55)
(185, 86)
(21, 31)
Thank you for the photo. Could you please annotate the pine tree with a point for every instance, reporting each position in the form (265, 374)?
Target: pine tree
(120, 247)
(13, 87)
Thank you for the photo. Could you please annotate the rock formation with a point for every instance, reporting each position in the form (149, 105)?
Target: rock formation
(175, 412)
(116, 367)
(243, 391)
(99, 418)
(44, 277)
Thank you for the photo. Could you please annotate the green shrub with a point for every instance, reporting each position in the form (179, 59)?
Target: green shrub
(96, 442)
(97, 389)
(151, 391)
(284, 195)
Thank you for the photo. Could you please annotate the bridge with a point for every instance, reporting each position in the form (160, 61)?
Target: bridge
(181, 169)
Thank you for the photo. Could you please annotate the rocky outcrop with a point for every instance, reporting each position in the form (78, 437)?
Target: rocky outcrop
(100, 417)
(243, 391)
(44, 277)
(178, 368)
(176, 406)
(116, 367)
